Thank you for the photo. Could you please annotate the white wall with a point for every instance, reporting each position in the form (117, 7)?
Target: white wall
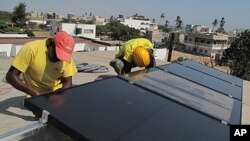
(38, 21)
(85, 28)
(12, 49)
(6, 48)
(113, 48)
(137, 24)
(102, 48)
(79, 47)
(13, 35)
(109, 48)
(69, 28)
(91, 48)
(160, 54)
(18, 47)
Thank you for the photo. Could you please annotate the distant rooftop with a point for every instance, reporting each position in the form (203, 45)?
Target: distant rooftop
(21, 41)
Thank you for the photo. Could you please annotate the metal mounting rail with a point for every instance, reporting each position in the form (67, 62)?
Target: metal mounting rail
(26, 131)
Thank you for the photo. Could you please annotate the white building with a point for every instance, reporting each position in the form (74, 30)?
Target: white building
(141, 24)
(82, 30)
(36, 17)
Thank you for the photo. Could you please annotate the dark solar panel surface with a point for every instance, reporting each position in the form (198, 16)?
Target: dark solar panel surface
(204, 79)
(188, 93)
(213, 72)
(112, 109)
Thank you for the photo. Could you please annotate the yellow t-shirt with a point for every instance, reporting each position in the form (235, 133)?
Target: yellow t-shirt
(128, 48)
(38, 71)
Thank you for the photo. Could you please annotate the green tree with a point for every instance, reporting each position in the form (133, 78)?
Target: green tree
(111, 19)
(65, 20)
(237, 56)
(119, 31)
(5, 28)
(19, 15)
(5, 16)
(162, 17)
(3, 25)
(101, 30)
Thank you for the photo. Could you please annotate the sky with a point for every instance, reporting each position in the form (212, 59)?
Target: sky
(235, 12)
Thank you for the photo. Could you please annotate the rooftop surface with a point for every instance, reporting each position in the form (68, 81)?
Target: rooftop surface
(14, 115)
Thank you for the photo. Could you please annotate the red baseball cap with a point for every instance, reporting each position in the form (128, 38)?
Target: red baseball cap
(64, 46)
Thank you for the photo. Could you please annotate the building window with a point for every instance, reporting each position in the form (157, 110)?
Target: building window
(190, 39)
(90, 31)
(200, 50)
(214, 43)
(205, 51)
(186, 38)
(196, 39)
(78, 31)
(208, 42)
(202, 41)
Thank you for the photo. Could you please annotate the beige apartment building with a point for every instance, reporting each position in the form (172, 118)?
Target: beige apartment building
(98, 20)
(204, 41)
(156, 35)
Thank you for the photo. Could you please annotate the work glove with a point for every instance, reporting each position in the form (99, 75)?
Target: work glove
(117, 64)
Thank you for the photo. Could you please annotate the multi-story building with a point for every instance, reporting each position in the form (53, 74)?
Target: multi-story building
(82, 30)
(156, 35)
(205, 42)
(36, 17)
(139, 22)
(99, 20)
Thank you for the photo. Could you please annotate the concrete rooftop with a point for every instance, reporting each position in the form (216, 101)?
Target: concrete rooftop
(14, 115)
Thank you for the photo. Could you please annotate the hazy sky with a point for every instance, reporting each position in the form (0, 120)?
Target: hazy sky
(236, 12)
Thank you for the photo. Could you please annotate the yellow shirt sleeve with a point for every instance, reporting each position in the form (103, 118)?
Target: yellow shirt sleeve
(70, 69)
(23, 59)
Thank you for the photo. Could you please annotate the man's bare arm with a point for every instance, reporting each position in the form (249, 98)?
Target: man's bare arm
(12, 77)
(66, 82)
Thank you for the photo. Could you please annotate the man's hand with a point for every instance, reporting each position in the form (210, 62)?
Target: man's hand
(33, 92)
(117, 64)
(56, 100)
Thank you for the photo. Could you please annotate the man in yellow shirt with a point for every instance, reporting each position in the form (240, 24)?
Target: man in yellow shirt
(136, 52)
(47, 65)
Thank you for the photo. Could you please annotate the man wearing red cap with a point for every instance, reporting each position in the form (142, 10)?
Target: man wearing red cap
(46, 65)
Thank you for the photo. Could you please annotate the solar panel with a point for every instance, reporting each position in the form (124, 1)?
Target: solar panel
(213, 72)
(188, 93)
(204, 79)
(112, 109)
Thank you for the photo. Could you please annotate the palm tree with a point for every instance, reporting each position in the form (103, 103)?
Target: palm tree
(111, 19)
(215, 23)
(162, 17)
(178, 23)
(222, 23)
(166, 23)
